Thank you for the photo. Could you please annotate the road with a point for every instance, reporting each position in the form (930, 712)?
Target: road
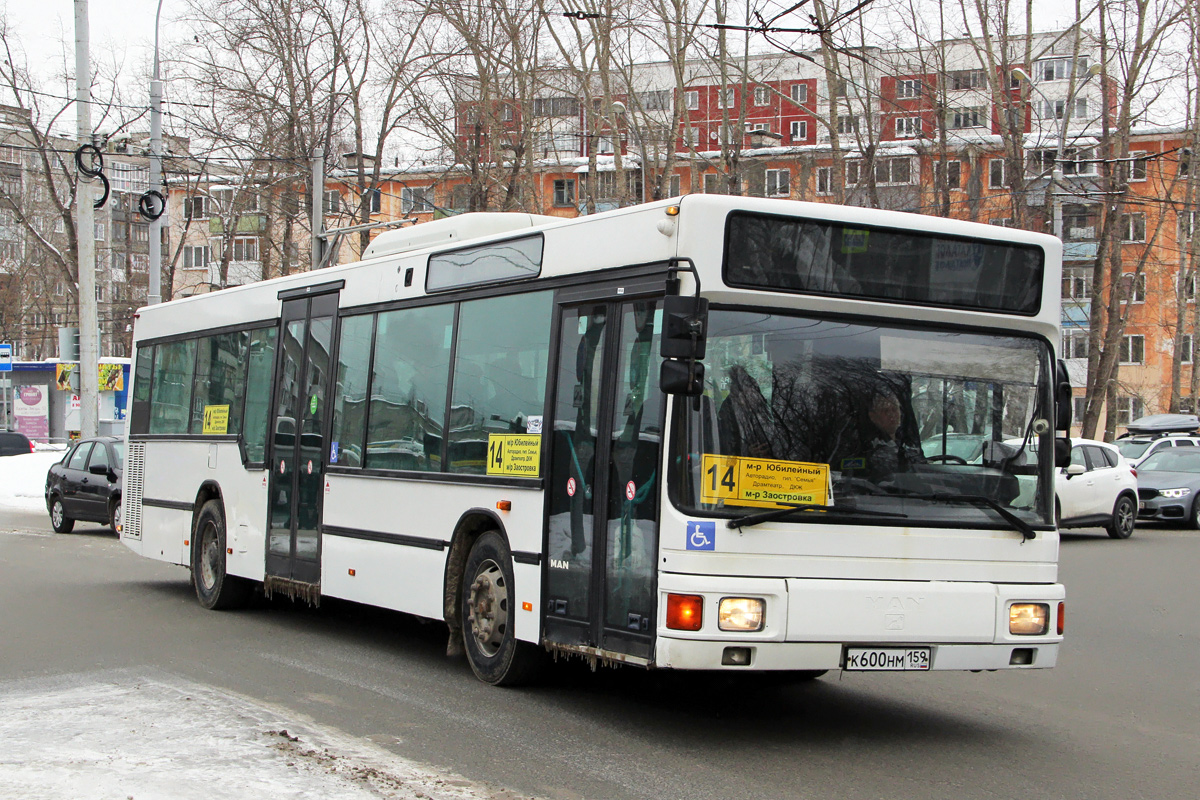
(1118, 718)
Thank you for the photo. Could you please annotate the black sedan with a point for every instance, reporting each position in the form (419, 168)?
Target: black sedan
(1169, 486)
(86, 484)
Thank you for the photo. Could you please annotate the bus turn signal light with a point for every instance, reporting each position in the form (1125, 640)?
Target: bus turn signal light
(504, 505)
(685, 612)
(1062, 618)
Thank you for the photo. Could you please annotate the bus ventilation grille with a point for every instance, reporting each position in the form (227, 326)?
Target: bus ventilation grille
(135, 473)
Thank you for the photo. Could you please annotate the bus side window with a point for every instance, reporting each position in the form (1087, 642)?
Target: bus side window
(260, 378)
(139, 405)
(170, 402)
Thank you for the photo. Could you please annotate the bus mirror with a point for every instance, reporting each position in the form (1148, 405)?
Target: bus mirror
(1062, 452)
(681, 377)
(685, 325)
(1062, 397)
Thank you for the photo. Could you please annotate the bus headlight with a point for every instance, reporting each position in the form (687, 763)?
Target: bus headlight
(1028, 619)
(741, 613)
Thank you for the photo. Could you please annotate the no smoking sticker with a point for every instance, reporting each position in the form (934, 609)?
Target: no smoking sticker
(630, 490)
(570, 487)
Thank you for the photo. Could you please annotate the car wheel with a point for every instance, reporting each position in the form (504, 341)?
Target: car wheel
(489, 616)
(1123, 517)
(114, 516)
(1196, 513)
(214, 588)
(58, 517)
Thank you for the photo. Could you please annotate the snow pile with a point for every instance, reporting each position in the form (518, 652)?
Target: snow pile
(23, 479)
(125, 735)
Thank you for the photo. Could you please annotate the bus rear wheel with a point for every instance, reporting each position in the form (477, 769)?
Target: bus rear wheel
(215, 589)
(489, 616)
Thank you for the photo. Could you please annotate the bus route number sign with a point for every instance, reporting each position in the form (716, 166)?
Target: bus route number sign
(515, 454)
(762, 482)
(216, 420)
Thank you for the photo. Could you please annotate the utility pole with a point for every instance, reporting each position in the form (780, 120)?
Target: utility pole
(318, 208)
(89, 346)
(154, 292)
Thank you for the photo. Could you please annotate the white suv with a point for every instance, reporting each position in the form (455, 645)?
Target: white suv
(1138, 448)
(1098, 488)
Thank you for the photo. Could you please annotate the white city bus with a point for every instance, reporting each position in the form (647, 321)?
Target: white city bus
(710, 433)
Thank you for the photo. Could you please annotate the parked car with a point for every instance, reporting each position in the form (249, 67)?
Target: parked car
(14, 444)
(1099, 487)
(1149, 435)
(1169, 486)
(86, 484)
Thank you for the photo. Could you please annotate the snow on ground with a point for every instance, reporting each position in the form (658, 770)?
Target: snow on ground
(124, 735)
(23, 478)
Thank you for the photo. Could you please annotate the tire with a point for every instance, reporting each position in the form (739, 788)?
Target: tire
(1196, 513)
(1124, 516)
(214, 588)
(489, 616)
(58, 516)
(115, 510)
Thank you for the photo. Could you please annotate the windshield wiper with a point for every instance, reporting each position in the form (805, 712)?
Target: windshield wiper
(789, 508)
(1019, 524)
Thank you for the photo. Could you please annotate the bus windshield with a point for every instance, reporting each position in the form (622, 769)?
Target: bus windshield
(928, 426)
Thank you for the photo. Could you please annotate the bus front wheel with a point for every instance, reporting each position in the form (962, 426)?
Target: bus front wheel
(214, 588)
(489, 615)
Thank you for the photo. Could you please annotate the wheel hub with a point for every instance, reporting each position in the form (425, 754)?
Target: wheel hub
(487, 608)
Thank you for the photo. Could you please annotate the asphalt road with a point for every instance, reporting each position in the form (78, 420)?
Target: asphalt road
(1118, 718)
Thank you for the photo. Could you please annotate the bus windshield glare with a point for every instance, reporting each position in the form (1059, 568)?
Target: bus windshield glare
(934, 427)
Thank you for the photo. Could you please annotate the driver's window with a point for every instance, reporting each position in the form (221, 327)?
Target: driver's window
(99, 456)
(1077, 457)
(1096, 456)
(79, 457)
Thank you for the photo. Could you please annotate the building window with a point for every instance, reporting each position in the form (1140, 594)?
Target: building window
(506, 113)
(712, 183)
(1057, 109)
(1058, 69)
(727, 98)
(1075, 343)
(893, 171)
(953, 180)
(691, 100)
(555, 107)
(1079, 406)
(374, 200)
(1001, 222)
(333, 202)
(1079, 223)
(1130, 408)
(1134, 285)
(1133, 349)
(1136, 169)
(963, 79)
(564, 192)
(996, 177)
(101, 231)
(674, 185)
(655, 101)
(245, 248)
(824, 180)
(853, 169)
(196, 256)
(416, 199)
(908, 127)
(762, 96)
(799, 93)
(195, 207)
(847, 125)
(1133, 228)
(908, 89)
(778, 183)
(971, 117)
(1185, 349)
(799, 130)
(1077, 283)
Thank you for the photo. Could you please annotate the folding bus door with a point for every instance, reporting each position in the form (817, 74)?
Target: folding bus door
(298, 441)
(605, 477)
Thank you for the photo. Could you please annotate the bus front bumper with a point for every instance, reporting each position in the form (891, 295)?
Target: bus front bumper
(860, 625)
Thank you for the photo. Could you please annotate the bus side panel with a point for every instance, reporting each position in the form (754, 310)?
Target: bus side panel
(167, 487)
(409, 578)
(244, 493)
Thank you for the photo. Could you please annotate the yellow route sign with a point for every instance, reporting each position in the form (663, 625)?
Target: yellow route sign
(733, 481)
(216, 419)
(518, 454)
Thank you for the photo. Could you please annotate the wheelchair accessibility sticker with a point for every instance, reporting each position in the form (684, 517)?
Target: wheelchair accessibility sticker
(701, 535)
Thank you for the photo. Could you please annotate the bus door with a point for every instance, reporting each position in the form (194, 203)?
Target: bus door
(605, 479)
(299, 435)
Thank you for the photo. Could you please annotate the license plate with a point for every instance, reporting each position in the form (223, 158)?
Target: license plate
(1142, 506)
(887, 659)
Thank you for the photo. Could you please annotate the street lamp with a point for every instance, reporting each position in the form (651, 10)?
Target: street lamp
(1056, 173)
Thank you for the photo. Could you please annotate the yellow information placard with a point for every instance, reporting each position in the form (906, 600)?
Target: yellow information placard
(517, 454)
(216, 419)
(733, 481)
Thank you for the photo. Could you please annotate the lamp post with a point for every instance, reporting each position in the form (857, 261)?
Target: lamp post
(154, 288)
(1056, 173)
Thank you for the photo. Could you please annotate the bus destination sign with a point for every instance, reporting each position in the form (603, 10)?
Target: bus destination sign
(763, 482)
(516, 454)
